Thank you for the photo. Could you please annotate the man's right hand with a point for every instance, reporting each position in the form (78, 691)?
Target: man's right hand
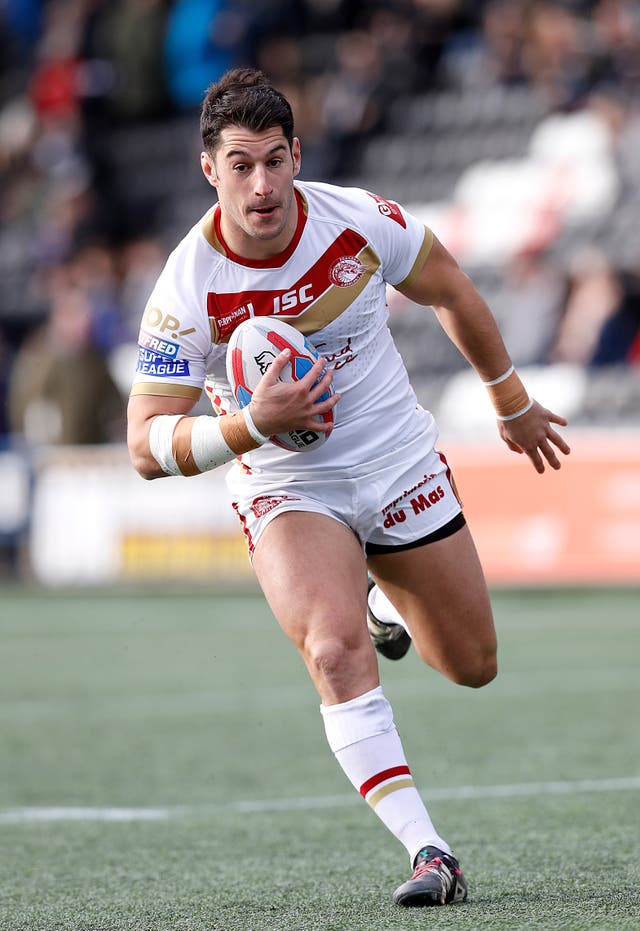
(280, 406)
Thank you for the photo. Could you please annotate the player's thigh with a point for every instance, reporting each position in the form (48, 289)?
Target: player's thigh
(313, 573)
(440, 590)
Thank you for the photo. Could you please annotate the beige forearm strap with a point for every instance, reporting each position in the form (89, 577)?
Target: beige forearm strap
(508, 395)
(236, 433)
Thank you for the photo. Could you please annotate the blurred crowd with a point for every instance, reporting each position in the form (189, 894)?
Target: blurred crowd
(80, 249)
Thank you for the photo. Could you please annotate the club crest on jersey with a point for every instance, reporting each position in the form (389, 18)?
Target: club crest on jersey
(346, 271)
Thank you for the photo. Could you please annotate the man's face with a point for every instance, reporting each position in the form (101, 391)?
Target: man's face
(253, 174)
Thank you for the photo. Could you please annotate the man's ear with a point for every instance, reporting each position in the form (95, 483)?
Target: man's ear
(208, 168)
(296, 155)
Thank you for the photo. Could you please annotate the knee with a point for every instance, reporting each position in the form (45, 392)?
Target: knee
(327, 657)
(472, 668)
(478, 672)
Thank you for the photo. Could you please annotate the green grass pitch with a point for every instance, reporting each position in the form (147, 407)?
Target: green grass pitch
(163, 766)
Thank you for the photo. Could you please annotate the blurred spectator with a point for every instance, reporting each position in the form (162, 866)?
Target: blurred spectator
(352, 97)
(619, 338)
(4, 387)
(434, 23)
(139, 263)
(555, 55)
(593, 294)
(280, 57)
(199, 47)
(528, 307)
(616, 52)
(20, 22)
(394, 33)
(129, 34)
(492, 55)
(60, 388)
(93, 271)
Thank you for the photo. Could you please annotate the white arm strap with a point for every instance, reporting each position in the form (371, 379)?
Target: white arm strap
(208, 445)
(161, 442)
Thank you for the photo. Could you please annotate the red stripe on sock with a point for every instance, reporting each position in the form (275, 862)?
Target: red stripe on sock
(380, 777)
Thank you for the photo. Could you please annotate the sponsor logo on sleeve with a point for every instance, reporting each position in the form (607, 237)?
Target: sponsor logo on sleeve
(388, 209)
(154, 363)
(161, 347)
(167, 324)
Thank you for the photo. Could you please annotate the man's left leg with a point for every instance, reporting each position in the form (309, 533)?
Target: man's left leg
(323, 614)
(438, 591)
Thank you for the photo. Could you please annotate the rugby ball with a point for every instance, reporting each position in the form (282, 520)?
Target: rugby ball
(253, 346)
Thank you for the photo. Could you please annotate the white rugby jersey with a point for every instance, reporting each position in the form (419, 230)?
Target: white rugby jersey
(329, 283)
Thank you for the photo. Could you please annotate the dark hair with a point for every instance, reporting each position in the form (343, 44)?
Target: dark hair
(243, 97)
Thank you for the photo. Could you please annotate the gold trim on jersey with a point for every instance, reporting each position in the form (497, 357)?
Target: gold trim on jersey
(418, 265)
(208, 227)
(303, 199)
(166, 391)
(335, 300)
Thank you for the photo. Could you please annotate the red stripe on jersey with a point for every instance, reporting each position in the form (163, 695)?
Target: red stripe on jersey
(370, 784)
(231, 308)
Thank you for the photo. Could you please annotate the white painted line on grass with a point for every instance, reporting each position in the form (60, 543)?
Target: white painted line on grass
(509, 790)
(29, 815)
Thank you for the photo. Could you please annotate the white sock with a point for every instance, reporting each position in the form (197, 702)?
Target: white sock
(383, 609)
(365, 742)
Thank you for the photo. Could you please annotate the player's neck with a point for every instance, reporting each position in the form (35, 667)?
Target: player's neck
(247, 249)
(253, 248)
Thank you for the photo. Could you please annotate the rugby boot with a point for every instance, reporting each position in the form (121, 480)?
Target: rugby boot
(390, 640)
(437, 880)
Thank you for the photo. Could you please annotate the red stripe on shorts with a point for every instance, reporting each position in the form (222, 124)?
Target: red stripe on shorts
(245, 529)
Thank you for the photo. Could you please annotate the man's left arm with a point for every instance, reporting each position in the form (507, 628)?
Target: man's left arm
(523, 424)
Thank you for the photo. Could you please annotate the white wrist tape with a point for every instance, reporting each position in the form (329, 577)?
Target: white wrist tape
(496, 381)
(208, 445)
(161, 442)
(251, 427)
(519, 413)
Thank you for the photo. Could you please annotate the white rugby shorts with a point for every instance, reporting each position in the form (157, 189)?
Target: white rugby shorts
(391, 503)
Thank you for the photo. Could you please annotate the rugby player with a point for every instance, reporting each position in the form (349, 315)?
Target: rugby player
(377, 496)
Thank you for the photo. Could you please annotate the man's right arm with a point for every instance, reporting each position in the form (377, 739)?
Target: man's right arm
(163, 440)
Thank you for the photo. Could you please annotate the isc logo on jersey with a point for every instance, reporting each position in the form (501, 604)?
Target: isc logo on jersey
(252, 348)
(290, 299)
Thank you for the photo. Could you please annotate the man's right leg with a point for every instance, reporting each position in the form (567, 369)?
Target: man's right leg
(322, 611)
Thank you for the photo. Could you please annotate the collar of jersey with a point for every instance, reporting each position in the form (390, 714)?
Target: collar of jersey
(274, 261)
